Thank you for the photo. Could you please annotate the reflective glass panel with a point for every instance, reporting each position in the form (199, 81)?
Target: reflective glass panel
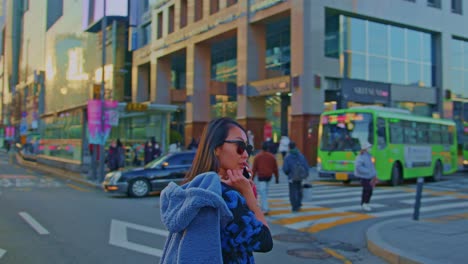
(377, 38)
(413, 44)
(378, 69)
(357, 66)
(397, 48)
(414, 73)
(456, 51)
(397, 72)
(427, 75)
(357, 35)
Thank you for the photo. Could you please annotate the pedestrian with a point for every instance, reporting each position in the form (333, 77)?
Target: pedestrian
(364, 169)
(113, 156)
(149, 155)
(284, 145)
(214, 217)
(296, 167)
(264, 167)
(121, 153)
(193, 145)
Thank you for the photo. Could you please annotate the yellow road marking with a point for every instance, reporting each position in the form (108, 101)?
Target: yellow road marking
(286, 211)
(337, 255)
(447, 218)
(301, 218)
(322, 226)
(77, 188)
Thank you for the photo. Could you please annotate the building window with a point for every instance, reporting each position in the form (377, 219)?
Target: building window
(160, 25)
(146, 36)
(278, 48)
(198, 10)
(25, 5)
(434, 3)
(145, 5)
(183, 13)
(457, 7)
(231, 2)
(459, 67)
(385, 53)
(171, 19)
(54, 11)
(214, 6)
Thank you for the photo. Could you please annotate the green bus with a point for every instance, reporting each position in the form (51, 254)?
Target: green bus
(404, 146)
(465, 156)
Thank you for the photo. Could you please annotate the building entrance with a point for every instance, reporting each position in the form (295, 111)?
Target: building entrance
(277, 114)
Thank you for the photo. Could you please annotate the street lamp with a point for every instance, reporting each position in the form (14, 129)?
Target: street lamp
(103, 116)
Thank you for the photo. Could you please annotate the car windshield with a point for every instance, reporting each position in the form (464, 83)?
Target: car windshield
(153, 164)
(346, 132)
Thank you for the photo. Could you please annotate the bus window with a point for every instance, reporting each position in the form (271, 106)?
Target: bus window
(422, 130)
(434, 134)
(345, 132)
(381, 133)
(396, 133)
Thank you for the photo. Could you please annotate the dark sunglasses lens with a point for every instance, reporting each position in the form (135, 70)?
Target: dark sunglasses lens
(241, 147)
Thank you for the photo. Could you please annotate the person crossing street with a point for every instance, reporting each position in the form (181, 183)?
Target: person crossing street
(264, 167)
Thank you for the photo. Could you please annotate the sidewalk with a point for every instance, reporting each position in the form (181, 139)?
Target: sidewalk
(61, 173)
(424, 241)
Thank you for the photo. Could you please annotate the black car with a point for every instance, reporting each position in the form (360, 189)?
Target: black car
(154, 176)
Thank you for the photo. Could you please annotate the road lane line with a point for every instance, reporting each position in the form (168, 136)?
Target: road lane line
(337, 255)
(2, 252)
(33, 223)
(77, 188)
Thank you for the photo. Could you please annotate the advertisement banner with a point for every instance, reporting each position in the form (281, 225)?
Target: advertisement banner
(96, 135)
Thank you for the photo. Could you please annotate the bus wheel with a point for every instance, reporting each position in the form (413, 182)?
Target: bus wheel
(437, 176)
(396, 175)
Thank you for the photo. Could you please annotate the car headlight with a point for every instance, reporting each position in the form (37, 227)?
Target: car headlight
(113, 177)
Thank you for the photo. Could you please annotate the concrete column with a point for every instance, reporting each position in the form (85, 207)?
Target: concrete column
(222, 4)
(190, 11)
(135, 72)
(177, 12)
(198, 80)
(206, 8)
(161, 74)
(306, 100)
(251, 46)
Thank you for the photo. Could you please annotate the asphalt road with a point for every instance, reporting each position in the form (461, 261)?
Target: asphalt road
(48, 220)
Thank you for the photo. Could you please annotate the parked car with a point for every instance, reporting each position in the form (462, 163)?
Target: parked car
(154, 176)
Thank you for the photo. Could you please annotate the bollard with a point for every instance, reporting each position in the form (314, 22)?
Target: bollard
(417, 203)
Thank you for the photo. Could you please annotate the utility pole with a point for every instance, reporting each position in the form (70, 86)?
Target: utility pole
(103, 100)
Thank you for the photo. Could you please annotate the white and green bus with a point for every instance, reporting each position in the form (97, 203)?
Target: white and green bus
(404, 146)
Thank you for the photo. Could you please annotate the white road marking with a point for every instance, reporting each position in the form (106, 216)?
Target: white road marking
(2, 252)
(428, 199)
(118, 237)
(422, 209)
(33, 223)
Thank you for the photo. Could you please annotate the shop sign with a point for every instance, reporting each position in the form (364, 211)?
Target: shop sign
(271, 86)
(96, 134)
(365, 91)
(136, 107)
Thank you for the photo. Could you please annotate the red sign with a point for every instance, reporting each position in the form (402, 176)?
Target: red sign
(267, 131)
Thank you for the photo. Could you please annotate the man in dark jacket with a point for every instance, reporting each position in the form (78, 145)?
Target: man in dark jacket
(264, 167)
(292, 162)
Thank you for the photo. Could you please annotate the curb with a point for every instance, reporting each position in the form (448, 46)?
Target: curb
(61, 173)
(377, 246)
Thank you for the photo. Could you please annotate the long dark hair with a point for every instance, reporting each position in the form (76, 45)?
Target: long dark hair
(212, 137)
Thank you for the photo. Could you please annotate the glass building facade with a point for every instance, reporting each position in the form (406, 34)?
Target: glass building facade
(459, 67)
(386, 53)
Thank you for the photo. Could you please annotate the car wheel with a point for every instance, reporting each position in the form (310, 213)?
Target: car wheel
(437, 175)
(347, 182)
(396, 175)
(139, 188)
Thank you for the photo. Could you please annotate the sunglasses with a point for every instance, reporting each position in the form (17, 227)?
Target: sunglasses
(241, 146)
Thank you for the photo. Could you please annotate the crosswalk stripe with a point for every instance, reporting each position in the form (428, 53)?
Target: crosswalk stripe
(295, 219)
(358, 198)
(322, 226)
(428, 199)
(422, 209)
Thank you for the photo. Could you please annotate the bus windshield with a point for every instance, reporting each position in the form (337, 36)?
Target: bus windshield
(346, 132)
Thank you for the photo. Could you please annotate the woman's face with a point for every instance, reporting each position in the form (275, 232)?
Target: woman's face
(227, 153)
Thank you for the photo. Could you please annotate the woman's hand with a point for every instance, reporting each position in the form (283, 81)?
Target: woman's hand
(236, 180)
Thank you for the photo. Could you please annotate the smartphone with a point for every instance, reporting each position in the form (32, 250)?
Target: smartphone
(246, 173)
